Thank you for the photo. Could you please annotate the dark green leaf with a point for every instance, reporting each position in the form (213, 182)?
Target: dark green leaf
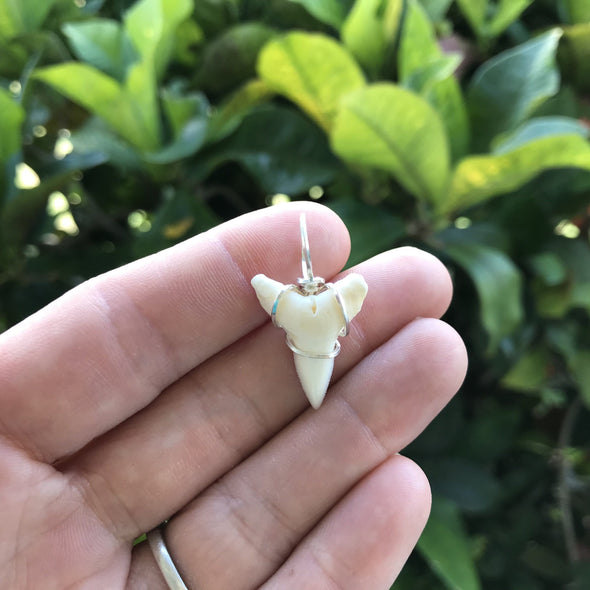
(282, 150)
(96, 137)
(498, 283)
(228, 116)
(531, 371)
(506, 89)
(466, 483)
(189, 140)
(371, 230)
(230, 59)
(392, 129)
(445, 546)
(331, 12)
(22, 212)
(181, 107)
(550, 268)
(580, 367)
(11, 119)
(312, 70)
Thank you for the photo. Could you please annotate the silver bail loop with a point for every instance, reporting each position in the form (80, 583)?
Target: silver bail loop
(305, 254)
(309, 284)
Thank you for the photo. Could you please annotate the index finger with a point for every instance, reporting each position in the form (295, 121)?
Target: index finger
(107, 348)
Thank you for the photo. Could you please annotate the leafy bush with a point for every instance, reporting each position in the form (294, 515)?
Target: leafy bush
(458, 127)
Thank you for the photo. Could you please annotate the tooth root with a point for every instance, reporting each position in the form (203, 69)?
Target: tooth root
(314, 375)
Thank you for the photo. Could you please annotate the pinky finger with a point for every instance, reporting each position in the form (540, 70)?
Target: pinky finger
(366, 539)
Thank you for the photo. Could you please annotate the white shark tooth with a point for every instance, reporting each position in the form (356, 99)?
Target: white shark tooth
(313, 314)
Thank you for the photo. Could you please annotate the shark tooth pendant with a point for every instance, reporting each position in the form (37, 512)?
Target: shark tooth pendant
(314, 314)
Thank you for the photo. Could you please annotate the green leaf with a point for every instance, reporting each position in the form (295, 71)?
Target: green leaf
(281, 149)
(530, 372)
(151, 25)
(436, 9)
(424, 79)
(479, 178)
(475, 12)
(230, 59)
(424, 67)
(189, 140)
(392, 129)
(445, 546)
(312, 70)
(574, 54)
(331, 12)
(549, 267)
(103, 96)
(507, 12)
(576, 12)
(498, 283)
(95, 136)
(22, 16)
(506, 89)
(102, 43)
(180, 107)
(228, 116)
(538, 128)
(418, 44)
(370, 29)
(11, 120)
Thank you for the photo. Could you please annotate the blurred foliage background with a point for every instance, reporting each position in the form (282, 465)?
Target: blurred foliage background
(460, 127)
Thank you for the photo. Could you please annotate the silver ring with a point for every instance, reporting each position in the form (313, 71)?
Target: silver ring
(164, 561)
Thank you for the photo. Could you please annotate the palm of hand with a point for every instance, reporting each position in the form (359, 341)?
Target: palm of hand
(161, 389)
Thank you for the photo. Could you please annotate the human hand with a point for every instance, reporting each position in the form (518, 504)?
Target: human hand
(162, 389)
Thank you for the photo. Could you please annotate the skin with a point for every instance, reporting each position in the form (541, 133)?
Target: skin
(161, 390)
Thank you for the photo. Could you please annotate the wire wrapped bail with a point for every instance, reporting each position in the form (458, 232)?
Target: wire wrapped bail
(308, 284)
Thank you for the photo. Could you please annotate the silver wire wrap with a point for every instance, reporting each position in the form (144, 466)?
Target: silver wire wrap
(344, 332)
(330, 355)
(164, 560)
(306, 286)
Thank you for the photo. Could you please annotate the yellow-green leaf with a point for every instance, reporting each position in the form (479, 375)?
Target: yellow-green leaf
(479, 178)
(151, 25)
(390, 128)
(22, 16)
(424, 67)
(105, 97)
(312, 70)
(370, 28)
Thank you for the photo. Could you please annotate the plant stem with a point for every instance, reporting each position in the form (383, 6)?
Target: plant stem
(563, 488)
